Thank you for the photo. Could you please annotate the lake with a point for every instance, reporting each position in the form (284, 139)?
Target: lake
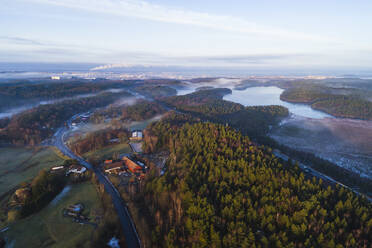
(261, 96)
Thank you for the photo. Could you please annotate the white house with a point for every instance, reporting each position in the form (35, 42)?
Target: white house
(137, 135)
(76, 169)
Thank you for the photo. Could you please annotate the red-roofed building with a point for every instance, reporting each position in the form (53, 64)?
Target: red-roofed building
(132, 166)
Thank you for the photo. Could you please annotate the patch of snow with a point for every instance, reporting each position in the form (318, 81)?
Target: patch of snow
(114, 243)
(61, 195)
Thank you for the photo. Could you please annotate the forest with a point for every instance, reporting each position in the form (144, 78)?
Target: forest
(304, 94)
(141, 111)
(198, 97)
(221, 190)
(33, 126)
(207, 103)
(46, 89)
(345, 107)
(156, 91)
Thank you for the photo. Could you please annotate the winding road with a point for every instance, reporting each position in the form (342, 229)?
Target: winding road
(129, 229)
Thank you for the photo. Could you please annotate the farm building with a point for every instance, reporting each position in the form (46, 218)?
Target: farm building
(132, 166)
(57, 168)
(76, 212)
(114, 168)
(78, 169)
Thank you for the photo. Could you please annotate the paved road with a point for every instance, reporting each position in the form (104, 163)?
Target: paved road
(131, 236)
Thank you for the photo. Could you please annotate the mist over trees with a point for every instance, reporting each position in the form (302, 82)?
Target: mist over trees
(33, 126)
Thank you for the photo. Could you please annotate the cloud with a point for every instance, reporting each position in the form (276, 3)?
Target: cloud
(228, 60)
(146, 10)
(243, 59)
(20, 41)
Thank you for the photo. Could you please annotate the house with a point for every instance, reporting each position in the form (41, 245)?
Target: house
(114, 168)
(132, 166)
(55, 77)
(136, 135)
(78, 169)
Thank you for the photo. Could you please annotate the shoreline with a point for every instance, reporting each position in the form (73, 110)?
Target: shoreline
(323, 110)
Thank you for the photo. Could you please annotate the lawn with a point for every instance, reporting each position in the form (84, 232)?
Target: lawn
(22, 164)
(48, 228)
(108, 152)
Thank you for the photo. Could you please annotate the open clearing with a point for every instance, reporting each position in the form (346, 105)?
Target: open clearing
(108, 152)
(48, 228)
(22, 164)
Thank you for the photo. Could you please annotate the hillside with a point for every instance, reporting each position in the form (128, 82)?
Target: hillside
(221, 190)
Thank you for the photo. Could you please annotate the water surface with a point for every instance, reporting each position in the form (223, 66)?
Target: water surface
(262, 96)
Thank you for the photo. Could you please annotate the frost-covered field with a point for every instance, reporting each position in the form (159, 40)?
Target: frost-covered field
(346, 142)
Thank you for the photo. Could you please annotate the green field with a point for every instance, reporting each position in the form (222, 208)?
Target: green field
(22, 164)
(49, 228)
(108, 152)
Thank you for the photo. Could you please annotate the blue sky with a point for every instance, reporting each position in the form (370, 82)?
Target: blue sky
(235, 33)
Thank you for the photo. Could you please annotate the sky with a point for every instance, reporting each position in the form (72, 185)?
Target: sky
(213, 33)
